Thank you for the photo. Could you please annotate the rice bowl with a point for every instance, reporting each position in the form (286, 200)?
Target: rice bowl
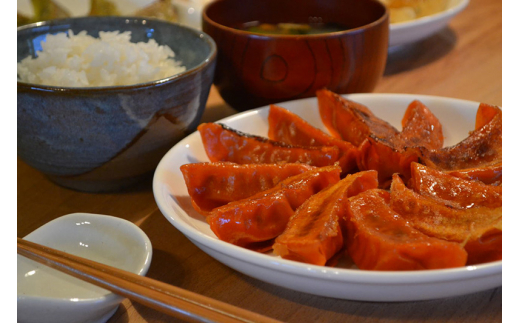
(107, 138)
(112, 59)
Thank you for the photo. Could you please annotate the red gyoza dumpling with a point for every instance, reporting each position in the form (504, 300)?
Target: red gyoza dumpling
(478, 228)
(351, 121)
(225, 144)
(254, 222)
(289, 128)
(483, 147)
(379, 238)
(489, 174)
(211, 185)
(315, 231)
(454, 191)
(420, 129)
(381, 147)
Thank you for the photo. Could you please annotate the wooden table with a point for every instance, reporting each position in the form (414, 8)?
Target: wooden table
(462, 61)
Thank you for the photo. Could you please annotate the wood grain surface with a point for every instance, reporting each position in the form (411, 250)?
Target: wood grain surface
(462, 61)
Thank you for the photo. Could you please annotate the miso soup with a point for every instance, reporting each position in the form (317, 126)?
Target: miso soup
(291, 28)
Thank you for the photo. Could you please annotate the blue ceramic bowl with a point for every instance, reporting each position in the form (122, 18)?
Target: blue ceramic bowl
(106, 138)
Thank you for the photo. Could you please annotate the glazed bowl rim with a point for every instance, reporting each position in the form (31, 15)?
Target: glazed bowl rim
(379, 21)
(118, 88)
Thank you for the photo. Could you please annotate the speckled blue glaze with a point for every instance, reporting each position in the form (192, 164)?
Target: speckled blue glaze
(103, 138)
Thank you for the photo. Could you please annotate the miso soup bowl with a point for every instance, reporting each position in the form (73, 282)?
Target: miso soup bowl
(255, 69)
(108, 138)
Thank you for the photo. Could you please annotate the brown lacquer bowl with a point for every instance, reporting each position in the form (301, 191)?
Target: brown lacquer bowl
(255, 69)
(107, 138)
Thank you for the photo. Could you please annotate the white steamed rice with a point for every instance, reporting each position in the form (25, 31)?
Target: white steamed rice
(84, 61)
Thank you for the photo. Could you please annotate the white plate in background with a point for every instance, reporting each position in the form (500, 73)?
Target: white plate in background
(457, 118)
(417, 29)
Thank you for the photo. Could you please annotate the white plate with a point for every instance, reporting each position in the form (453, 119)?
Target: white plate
(457, 118)
(414, 30)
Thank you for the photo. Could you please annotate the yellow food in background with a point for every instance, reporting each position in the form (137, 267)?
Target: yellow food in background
(405, 10)
(22, 19)
(402, 14)
(102, 8)
(48, 10)
(160, 9)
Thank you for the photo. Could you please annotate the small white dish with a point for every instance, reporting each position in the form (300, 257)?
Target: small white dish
(417, 29)
(48, 295)
(457, 118)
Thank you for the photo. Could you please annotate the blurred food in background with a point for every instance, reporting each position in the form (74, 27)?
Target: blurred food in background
(49, 9)
(405, 10)
(22, 19)
(43, 10)
(160, 9)
(103, 8)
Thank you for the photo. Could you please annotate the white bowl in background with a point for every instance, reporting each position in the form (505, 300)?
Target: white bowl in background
(417, 29)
